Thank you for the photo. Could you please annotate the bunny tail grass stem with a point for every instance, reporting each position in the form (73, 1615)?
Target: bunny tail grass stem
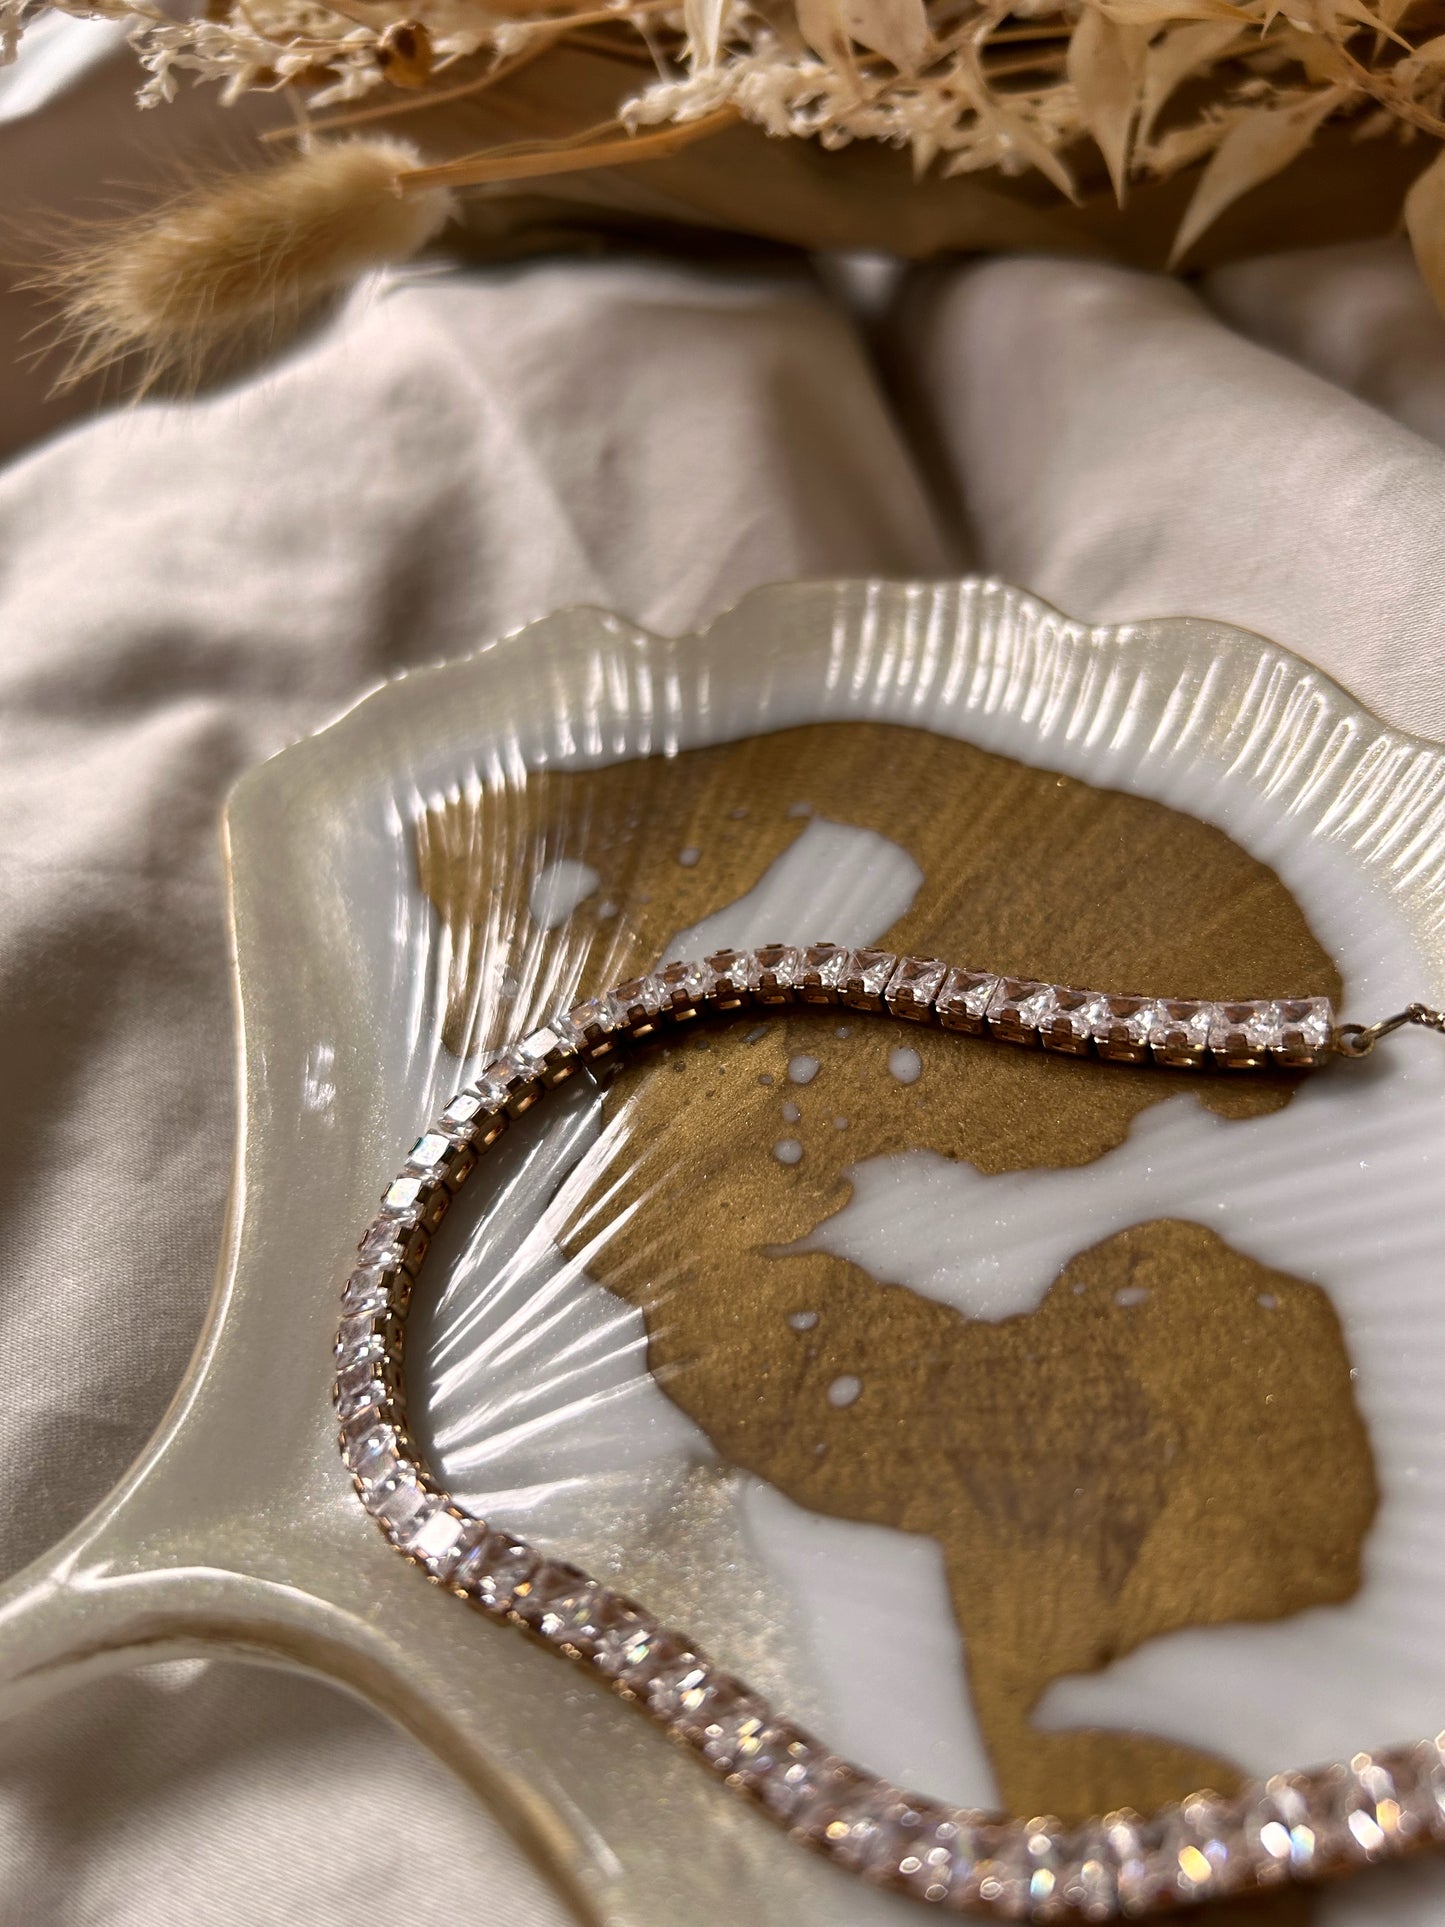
(531, 161)
(246, 254)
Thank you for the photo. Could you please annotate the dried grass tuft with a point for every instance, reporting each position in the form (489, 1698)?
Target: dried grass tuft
(1236, 90)
(245, 255)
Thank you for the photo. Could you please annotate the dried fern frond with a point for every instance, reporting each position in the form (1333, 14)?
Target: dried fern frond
(245, 252)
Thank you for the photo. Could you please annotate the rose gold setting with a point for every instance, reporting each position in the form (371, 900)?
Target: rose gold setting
(1295, 1826)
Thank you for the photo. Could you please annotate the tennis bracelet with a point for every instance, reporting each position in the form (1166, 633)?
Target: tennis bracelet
(1294, 1826)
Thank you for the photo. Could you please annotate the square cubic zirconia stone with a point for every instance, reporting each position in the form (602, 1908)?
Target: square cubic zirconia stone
(395, 1245)
(1018, 1868)
(820, 972)
(914, 984)
(372, 1455)
(1283, 1825)
(367, 1289)
(430, 1156)
(865, 977)
(1306, 1026)
(1019, 1007)
(399, 1504)
(414, 1519)
(774, 969)
(360, 1335)
(1391, 1799)
(553, 1579)
(436, 1540)
(417, 1200)
(588, 1026)
(760, 1754)
(383, 1244)
(1180, 1027)
(1083, 1014)
(358, 1387)
(496, 1568)
(1088, 1878)
(461, 1114)
(963, 998)
(360, 1423)
(509, 1079)
(677, 1686)
(636, 1002)
(731, 1730)
(685, 985)
(1125, 1035)
(1207, 1841)
(873, 1830)
(404, 1198)
(542, 1047)
(787, 1768)
(573, 1616)
(936, 1861)
(1245, 1028)
(834, 1785)
(626, 1645)
(732, 973)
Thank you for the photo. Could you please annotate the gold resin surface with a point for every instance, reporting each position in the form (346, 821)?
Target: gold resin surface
(1170, 1439)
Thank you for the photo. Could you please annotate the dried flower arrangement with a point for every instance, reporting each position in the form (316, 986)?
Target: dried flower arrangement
(1217, 95)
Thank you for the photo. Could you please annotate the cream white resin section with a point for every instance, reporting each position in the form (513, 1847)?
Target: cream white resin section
(559, 889)
(835, 883)
(897, 1693)
(905, 1064)
(1343, 1186)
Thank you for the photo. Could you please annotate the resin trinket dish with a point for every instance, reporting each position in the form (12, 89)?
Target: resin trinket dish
(1053, 1437)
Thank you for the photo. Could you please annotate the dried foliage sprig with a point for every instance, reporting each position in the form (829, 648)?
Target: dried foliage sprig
(244, 256)
(1235, 90)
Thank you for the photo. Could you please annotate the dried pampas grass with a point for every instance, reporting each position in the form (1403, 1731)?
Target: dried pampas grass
(1222, 95)
(244, 256)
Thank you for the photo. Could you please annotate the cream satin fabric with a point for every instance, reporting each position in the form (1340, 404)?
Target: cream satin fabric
(185, 589)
